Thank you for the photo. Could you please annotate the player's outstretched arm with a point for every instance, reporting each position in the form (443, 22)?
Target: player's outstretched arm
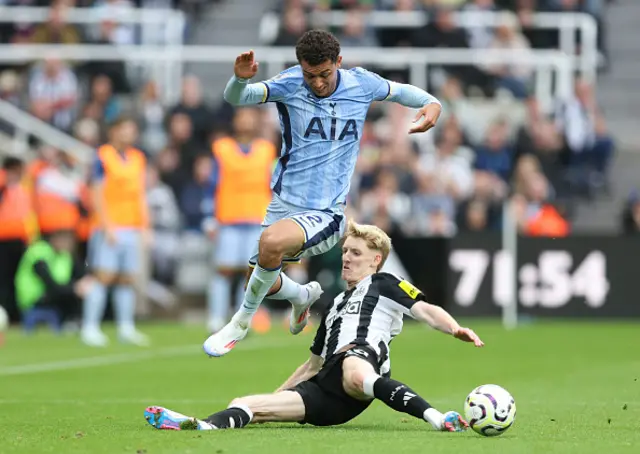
(438, 318)
(412, 96)
(307, 370)
(238, 91)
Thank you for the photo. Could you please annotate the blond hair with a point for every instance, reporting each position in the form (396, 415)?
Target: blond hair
(375, 238)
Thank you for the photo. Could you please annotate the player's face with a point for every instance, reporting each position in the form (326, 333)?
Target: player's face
(245, 121)
(127, 133)
(358, 260)
(321, 78)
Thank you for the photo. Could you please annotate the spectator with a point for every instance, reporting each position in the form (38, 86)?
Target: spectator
(53, 91)
(50, 280)
(384, 205)
(294, 25)
(355, 32)
(589, 145)
(450, 165)
(114, 69)
(196, 201)
(536, 216)
(480, 35)
(433, 211)
(444, 32)
(109, 11)
(546, 146)
(171, 173)
(10, 87)
(165, 216)
(181, 138)
(440, 223)
(87, 131)
(151, 111)
(340, 5)
(101, 99)
(495, 156)
(15, 231)
(56, 30)
(400, 36)
(477, 216)
(9, 92)
(515, 77)
(192, 104)
(602, 153)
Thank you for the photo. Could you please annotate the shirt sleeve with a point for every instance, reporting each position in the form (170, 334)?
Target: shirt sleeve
(240, 92)
(410, 95)
(283, 84)
(53, 289)
(377, 87)
(97, 170)
(400, 291)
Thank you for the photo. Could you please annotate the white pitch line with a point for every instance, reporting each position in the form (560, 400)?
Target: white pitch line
(108, 360)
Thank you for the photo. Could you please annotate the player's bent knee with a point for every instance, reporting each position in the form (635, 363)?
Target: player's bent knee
(272, 241)
(282, 237)
(353, 383)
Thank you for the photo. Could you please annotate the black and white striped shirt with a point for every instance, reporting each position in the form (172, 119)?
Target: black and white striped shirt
(369, 314)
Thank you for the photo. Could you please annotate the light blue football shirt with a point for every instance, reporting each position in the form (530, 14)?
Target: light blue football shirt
(321, 136)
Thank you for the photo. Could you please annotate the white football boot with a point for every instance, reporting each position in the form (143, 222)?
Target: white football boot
(222, 342)
(300, 313)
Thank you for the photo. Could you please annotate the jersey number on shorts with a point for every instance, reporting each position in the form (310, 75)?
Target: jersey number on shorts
(313, 220)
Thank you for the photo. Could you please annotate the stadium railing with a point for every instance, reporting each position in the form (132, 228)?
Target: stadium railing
(546, 63)
(171, 23)
(585, 61)
(26, 124)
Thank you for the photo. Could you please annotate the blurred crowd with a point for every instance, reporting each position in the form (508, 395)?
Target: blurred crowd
(454, 179)
(107, 29)
(296, 16)
(458, 178)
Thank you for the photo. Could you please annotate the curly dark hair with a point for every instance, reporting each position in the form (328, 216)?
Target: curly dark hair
(317, 46)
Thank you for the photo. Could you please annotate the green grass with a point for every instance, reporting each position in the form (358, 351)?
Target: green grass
(570, 382)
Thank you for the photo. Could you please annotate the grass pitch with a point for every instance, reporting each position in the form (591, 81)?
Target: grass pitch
(576, 386)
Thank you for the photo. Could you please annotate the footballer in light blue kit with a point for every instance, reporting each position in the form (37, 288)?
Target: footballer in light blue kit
(322, 109)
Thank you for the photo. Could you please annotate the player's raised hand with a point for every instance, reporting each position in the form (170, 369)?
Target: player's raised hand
(431, 113)
(467, 335)
(245, 67)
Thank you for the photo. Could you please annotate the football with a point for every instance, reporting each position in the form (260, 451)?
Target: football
(490, 410)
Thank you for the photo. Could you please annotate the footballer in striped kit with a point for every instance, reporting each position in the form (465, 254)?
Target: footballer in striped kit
(350, 365)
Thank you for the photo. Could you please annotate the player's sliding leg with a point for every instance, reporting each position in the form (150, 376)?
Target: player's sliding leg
(282, 238)
(361, 381)
(284, 406)
(165, 419)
